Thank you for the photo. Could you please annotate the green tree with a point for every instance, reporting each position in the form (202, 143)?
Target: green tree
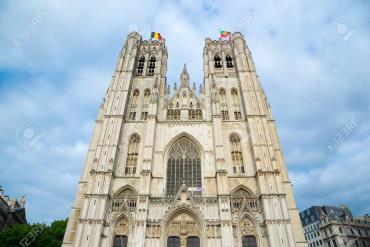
(35, 235)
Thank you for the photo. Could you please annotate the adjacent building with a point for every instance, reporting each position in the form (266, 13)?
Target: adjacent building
(12, 211)
(188, 168)
(335, 226)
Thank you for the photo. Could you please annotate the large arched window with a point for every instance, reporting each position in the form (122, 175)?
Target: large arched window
(151, 66)
(120, 241)
(236, 154)
(223, 104)
(183, 166)
(140, 66)
(132, 155)
(229, 61)
(218, 63)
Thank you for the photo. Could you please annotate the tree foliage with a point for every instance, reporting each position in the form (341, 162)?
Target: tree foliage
(35, 235)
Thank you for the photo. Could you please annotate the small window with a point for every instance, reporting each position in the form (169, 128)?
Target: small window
(151, 66)
(132, 155)
(236, 154)
(144, 115)
(217, 61)
(225, 115)
(132, 116)
(195, 114)
(237, 115)
(140, 66)
(229, 61)
(173, 114)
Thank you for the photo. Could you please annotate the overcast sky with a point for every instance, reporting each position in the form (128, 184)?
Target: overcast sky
(57, 58)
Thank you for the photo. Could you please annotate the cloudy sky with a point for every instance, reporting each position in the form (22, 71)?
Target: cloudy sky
(57, 58)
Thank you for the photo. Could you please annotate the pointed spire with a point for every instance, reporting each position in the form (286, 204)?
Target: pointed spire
(184, 70)
(168, 90)
(194, 87)
(175, 86)
(184, 78)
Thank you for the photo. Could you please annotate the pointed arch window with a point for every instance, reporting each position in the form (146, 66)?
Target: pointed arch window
(229, 61)
(140, 66)
(144, 113)
(236, 154)
(223, 104)
(133, 107)
(151, 66)
(236, 106)
(183, 166)
(132, 155)
(217, 60)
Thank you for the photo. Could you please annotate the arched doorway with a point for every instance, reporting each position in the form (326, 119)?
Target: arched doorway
(248, 233)
(183, 231)
(121, 231)
(183, 166)
(249, 241)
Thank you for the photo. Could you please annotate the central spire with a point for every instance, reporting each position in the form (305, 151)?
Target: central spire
(184, 78)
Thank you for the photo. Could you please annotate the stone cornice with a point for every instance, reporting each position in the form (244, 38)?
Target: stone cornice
(276, 221)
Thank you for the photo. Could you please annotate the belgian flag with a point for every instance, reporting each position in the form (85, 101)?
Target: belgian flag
(156, 36)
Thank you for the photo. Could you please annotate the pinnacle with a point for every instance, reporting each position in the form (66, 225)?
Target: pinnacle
(184, 70)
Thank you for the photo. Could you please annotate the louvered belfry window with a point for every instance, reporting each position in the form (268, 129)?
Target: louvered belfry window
(183, 166)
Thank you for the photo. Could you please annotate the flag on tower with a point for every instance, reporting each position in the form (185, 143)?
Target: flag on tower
(156, 36)
(224, 34)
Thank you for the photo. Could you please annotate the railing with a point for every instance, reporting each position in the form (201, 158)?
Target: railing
(124, 204)
(250, 203)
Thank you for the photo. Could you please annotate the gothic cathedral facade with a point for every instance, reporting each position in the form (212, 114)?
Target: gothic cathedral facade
(194, 169)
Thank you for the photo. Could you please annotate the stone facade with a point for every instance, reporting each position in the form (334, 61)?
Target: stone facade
(184, 169)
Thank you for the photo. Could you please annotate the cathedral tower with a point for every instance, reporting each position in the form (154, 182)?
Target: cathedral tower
(184, 169)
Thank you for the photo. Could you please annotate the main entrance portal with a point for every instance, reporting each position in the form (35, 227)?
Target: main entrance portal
(183, 231)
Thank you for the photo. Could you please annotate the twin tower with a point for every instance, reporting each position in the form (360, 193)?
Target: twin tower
(184, 169)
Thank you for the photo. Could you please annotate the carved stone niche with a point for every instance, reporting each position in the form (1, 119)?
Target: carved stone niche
(247, 227)
(213, 231)
(153, 231)
(183, 225)
(122, 227)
